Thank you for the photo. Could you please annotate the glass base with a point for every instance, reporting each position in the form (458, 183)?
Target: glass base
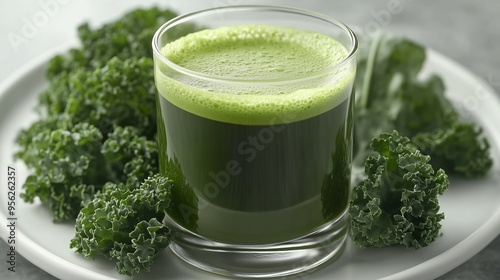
(263, 261)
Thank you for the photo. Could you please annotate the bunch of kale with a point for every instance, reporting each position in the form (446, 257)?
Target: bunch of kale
(93, 151)
(396, 201)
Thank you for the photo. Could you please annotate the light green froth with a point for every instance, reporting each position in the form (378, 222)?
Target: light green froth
(267, 74)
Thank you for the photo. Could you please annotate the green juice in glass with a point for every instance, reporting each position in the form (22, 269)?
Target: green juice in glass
(267, 159)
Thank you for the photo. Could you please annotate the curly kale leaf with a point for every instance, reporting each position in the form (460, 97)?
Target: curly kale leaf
(390, 61)
(120, 93)
(108, 85)
(128, 37)
(42, 126)
(131, 156)
(424, 108)
(78, 139)
(388, 66)
(392, 96)
(67, 165)
(460, 149)
(124, 223)
(71, 163)
(397, 203)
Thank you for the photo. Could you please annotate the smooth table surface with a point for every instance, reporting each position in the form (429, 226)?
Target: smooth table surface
(466, 31)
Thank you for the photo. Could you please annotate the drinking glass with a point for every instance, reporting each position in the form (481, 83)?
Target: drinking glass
(261, 167)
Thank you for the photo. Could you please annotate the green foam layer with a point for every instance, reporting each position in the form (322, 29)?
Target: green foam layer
(265, 74)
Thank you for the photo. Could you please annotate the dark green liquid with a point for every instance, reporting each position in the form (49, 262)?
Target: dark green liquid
(256, 162)
(257, 184)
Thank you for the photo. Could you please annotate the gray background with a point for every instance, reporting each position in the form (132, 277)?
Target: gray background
(466, 31)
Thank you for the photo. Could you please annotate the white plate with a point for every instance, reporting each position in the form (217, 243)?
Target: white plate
(472, 208)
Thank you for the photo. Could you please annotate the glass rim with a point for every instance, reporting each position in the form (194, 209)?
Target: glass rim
(200, 75)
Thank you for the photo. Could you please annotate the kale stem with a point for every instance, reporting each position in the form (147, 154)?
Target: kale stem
(370, 63)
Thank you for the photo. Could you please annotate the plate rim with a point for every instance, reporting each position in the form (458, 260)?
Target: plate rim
(431, 268)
